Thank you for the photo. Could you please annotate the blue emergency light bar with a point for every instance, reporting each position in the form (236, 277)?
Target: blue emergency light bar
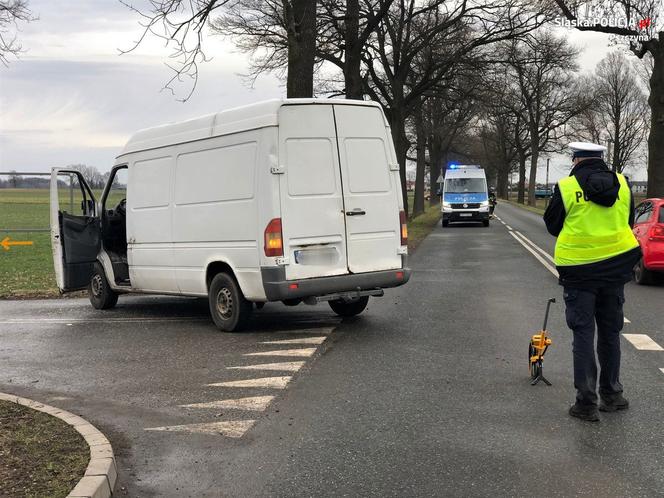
(462, 166)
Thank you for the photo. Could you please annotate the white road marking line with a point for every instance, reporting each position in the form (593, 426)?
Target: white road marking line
(302, 352)
(230, 428)
(253, 403)
(643, 342)
(100, 320)
(536, 247)
(309, 331)
(290, 366)
(508, 227)
(303, 340)
(661, 370)
(269, 382)
(545, 254)
(537, 256)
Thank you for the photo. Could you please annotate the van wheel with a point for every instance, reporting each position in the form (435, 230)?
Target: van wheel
(353, 307)
(445, 223)
(102, 297)
(485, 223)
(228, 307)
(642, 276)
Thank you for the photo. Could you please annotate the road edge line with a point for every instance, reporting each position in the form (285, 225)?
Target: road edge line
(101, 473)
(537, 256)
(536, 247)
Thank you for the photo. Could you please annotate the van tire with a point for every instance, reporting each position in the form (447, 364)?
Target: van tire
(445, 223)
(229, 309)
(102, 297)
(349, 308)
(642, 275)
(485, 223)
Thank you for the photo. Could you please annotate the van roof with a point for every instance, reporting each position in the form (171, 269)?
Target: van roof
(248, 117)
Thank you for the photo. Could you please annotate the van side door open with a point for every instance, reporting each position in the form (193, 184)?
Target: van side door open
(75, 229)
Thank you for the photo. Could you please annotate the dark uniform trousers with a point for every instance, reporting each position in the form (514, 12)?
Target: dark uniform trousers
(585, 307)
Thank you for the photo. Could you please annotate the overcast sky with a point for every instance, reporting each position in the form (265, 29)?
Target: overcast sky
(72, 99)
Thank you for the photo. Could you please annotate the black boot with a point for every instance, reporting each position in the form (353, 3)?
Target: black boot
(588, 413)
(613, 403)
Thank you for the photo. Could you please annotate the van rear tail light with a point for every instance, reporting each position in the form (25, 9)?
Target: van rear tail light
(657, 233)
(404, 228)
(274, 243)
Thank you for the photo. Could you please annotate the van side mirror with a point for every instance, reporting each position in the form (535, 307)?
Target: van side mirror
(88, 207)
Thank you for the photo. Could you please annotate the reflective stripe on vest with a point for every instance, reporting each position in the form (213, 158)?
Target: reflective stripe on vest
(591, 232)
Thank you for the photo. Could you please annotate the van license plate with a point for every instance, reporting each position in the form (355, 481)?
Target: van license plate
(466, 214)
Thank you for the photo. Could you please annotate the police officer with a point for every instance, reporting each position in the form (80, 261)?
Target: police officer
(591, 212)
(493, 200)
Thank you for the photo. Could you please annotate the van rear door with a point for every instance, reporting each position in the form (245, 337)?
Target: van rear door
(370, 189)
(312, 204)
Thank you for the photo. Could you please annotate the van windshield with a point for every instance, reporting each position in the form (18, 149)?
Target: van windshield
(462, 185)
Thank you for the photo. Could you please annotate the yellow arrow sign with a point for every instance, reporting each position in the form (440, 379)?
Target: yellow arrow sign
(6, 243)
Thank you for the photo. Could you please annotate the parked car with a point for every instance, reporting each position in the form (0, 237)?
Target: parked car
(293, 200)
(543, 193)
(649, 230)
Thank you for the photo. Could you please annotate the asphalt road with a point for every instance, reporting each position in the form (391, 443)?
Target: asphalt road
(426, 394)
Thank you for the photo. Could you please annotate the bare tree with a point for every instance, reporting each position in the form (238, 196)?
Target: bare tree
(435, 37)
(621, 107)
(543, 67)
(12, 12)
(449, 112)
(641, 22)
(183, 25)
(92, 176)
(260, 27)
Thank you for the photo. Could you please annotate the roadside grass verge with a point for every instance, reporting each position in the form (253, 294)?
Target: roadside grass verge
(420, 226)
(40, 455)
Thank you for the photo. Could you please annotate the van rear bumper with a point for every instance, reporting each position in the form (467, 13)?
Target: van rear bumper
(277, 288)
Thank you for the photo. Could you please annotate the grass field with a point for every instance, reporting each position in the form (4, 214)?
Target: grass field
(27, 271)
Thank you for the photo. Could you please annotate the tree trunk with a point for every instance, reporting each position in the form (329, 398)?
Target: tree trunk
(656, 137)
(532, 179)
(301, 16)
(401, 145)
(435, 163)
(502, 181)
(521, 198)
(353, 52)
(420, 147)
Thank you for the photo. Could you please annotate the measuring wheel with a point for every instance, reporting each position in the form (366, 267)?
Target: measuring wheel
(535, 367)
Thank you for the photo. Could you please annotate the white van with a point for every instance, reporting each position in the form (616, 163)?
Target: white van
(465, 195)
(286, 200)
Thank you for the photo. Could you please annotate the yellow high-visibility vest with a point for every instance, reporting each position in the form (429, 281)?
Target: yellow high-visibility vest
(591, 232)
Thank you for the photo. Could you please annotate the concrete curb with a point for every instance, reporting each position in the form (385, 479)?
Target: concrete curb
(101, 474)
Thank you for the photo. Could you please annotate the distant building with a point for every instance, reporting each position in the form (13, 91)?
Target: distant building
(639, 187)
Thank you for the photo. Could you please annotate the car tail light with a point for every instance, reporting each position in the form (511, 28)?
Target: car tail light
(657, 233)
(274, 243)
(404, 228)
